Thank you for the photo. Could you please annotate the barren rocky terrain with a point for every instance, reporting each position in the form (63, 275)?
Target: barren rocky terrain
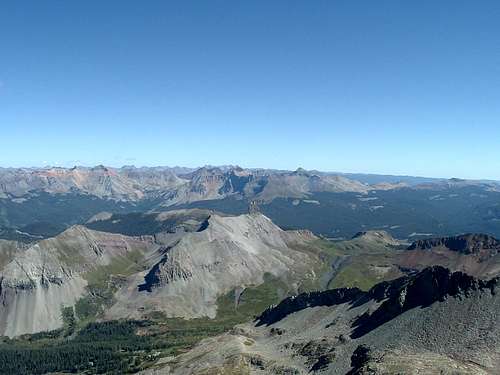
(180, 273)
(432, 322)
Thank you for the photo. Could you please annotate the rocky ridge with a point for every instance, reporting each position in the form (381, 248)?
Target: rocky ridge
(428, 286)
(475, 254)
(470, 243)
(435, 321)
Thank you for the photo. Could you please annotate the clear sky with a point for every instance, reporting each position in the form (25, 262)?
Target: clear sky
(357, 86)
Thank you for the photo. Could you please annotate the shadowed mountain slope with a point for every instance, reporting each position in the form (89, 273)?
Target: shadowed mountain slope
(434, 321)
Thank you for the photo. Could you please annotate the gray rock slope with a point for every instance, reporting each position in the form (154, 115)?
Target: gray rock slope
(435, 322)
(227, 253)
(39, 281)
(9, 249)
(181, 272)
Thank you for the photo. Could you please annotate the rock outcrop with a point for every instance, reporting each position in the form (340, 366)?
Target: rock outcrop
(474, 254)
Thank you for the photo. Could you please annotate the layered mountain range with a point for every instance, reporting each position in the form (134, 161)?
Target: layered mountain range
(162, 270)
(180, 263)
(182, 185)
(41, 203)
(130, 183)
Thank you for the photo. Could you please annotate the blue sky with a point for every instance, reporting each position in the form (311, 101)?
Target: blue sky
(354, 86)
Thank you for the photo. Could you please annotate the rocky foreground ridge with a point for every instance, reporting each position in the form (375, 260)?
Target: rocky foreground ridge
(435, 321)
(431, 285)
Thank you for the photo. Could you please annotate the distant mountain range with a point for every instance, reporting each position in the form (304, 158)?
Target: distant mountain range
(181, 185)
(42, 202)
(177, 185)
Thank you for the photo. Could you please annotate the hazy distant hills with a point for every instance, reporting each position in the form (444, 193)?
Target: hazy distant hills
(42, 202)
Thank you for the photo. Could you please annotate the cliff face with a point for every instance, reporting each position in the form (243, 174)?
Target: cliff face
(475, 254)
(465, 244)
